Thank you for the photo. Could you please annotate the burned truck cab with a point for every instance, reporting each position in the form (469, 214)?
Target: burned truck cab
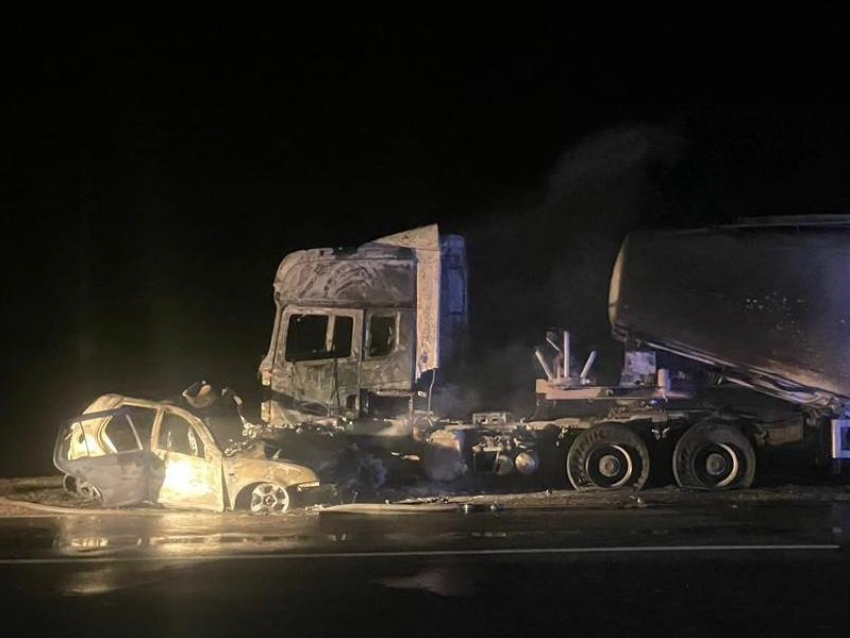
(358, 333)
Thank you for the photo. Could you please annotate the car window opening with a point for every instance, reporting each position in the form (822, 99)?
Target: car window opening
(177, 435)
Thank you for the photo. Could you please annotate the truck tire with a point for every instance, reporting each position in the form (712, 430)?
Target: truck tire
(714, 456)
(608, 456)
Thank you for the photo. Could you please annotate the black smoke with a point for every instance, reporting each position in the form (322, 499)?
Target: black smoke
(546, 261)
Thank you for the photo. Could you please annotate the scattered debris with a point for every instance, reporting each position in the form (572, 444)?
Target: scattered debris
(385, 509)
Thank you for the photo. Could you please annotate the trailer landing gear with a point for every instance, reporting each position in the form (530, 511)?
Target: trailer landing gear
(714, 456)
(608, 456)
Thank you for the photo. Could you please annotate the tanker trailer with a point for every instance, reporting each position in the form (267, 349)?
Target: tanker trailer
(763, 305)
(736, 338)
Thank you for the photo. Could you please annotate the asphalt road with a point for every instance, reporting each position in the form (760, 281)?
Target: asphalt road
(752, 569)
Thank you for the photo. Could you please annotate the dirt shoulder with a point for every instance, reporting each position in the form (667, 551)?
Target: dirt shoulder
(39, 495)
(44, 496)
(666, 496)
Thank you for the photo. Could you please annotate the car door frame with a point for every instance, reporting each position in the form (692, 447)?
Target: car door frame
(121, 477)
(189, 480)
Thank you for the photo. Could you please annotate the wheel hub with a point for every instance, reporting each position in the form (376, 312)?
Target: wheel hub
(715, 464)
(609, 465)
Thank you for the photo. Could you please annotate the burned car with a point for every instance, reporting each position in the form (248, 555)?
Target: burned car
(126, 451)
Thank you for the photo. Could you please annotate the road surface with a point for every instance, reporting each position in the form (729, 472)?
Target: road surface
(699, 570)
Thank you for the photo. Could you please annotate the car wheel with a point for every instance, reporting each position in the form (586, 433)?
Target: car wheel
(269, 498)
(69, 483)
(89, 491)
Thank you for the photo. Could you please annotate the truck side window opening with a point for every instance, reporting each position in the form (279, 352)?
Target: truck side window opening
(177, 435)
(314, 337)
(381, 335)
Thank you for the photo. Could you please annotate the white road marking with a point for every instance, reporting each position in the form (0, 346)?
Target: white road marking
(418, 554)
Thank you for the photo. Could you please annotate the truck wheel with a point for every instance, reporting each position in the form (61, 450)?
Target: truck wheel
(608, 456)
(714, 456)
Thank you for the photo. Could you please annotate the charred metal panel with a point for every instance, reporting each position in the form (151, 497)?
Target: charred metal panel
(121, 479)
(426, 242)
(252, 467)
(85, 451)
(768, 304)
(390, 368)
(441, 293)
(370, 275)
(784, 432)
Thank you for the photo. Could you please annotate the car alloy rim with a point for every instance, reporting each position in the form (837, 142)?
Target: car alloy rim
(268, 498)
(89, 491)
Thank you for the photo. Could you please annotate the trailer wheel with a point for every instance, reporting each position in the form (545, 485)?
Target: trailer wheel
(714, 456)
(608, 456)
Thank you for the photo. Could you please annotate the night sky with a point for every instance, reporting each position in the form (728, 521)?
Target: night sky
(154, 177)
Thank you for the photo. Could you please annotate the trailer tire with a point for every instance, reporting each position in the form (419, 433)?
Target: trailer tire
(608, 456)
(714, 456)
